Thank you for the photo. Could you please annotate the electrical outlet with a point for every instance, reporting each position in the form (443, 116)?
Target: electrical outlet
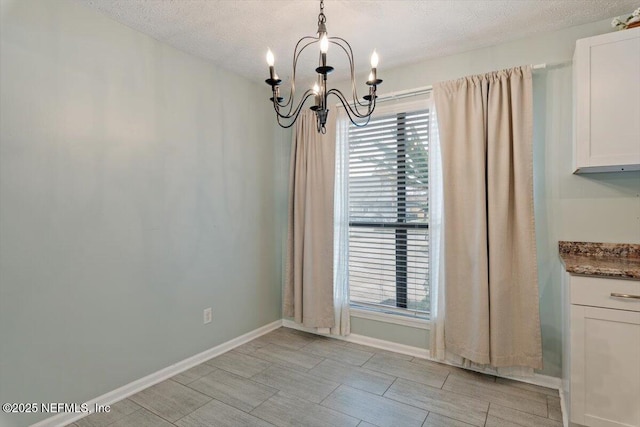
(207, 315)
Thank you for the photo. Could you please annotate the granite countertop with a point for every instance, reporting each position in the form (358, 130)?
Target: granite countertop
(618, 260)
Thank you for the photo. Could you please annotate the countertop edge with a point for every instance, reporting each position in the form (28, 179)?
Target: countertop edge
(607, 261)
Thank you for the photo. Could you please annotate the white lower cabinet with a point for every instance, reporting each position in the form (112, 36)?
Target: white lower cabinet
(605, 352)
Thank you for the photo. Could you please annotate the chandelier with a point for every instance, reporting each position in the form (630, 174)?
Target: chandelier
(359, 112)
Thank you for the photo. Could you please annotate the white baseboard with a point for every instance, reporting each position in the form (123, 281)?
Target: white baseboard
(563, 408)
(541, 380)
(364, 340)
(422, 353)
(536, 379)
(158, 376)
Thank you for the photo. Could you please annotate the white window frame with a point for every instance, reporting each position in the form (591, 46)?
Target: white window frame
(384, 314)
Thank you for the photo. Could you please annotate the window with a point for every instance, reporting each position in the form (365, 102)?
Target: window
(389, 212)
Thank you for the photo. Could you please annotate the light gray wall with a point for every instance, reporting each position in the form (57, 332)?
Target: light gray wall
(596, 207)
(136, 189)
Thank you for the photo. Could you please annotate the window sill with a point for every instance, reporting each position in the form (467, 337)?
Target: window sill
(395, 319)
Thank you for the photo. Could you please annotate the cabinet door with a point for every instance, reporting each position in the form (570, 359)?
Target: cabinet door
(605, 368)
(607, 72)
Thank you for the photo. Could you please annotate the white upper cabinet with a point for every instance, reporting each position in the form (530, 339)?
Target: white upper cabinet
(607, 102)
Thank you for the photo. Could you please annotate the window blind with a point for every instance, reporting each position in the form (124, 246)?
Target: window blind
(388, 213)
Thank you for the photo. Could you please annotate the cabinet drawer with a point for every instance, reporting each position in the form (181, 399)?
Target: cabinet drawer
(596, 292)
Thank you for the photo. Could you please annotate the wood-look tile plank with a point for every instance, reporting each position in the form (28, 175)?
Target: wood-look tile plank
(555, 411)
(292, 359)
(431, 366)
(366, 424)
(117, 411)
(170, 400)
(285, 329)
(506, 396)
(453, 405)
(531, 387)
(299, 384)
(238, 363)
(218, 414)
(378, 351)
(356, 377)
(433, 376)
(332, 349)
(284, 337)
(190, 375)
(287, 411)
(373, 408)
(234, 390)
(457, 371)
(141, 418)
(437, 420)
(511, 389)
(498, 422)
(501, 416)
(471, 375)
(251, 346)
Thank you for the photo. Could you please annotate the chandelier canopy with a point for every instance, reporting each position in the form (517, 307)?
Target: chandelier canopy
(287, 112)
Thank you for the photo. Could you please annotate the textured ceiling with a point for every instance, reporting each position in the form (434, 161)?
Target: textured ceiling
(235, 34)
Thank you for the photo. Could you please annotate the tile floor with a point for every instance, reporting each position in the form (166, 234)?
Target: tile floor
(291, 378)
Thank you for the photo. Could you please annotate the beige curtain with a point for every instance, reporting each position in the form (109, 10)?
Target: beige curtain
(491, 313)
(308, 291)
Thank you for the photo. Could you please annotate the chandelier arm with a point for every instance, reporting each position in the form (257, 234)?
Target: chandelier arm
(296, 54)
(352, 107)
(292, 89)
(296, 112)
(276, 102)
(349, 53)
(350, 112)
(287, 126)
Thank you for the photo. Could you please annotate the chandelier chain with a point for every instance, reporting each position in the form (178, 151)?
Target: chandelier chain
(321, 18)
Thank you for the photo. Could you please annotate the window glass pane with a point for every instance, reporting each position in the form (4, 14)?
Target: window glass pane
(388, 213)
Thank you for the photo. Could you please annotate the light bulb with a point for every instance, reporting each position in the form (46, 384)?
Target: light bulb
(374, 59)
(270, 59)
(324, 44)
(316, 89)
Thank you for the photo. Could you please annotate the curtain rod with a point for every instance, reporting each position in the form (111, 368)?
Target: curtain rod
(401, 94)
(405, 93)
(544, 65)
(427, 89)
